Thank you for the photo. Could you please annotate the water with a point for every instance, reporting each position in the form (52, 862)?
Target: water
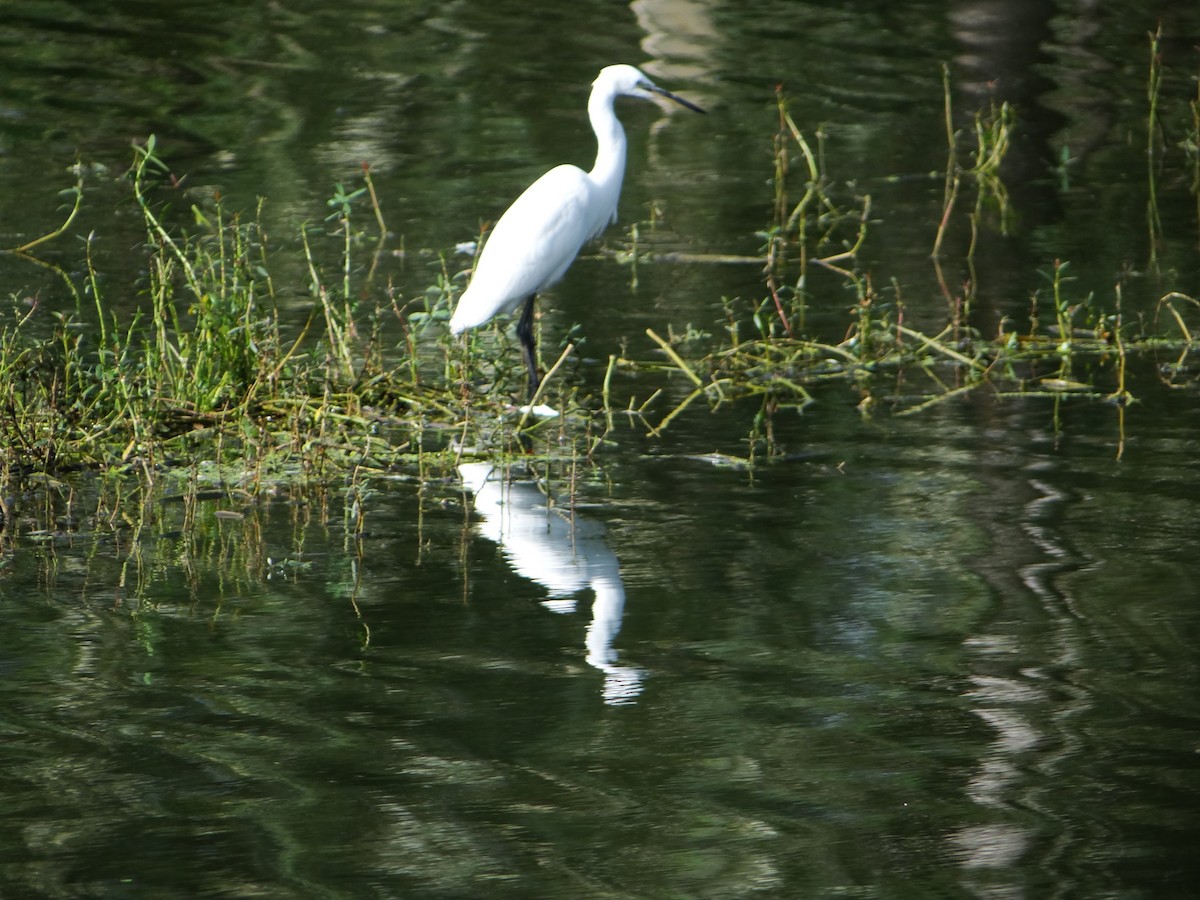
(984, 683)
(945, 655)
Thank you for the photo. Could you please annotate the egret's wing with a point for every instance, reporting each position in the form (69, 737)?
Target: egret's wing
(532, 245)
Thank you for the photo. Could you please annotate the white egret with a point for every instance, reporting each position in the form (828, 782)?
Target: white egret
(539, 236)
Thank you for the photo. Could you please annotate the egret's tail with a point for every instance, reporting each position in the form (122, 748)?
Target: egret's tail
(477, 306)
(460, 321)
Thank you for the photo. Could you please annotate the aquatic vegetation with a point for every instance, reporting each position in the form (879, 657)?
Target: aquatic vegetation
(207, 375)
(206, 358)
(1080, 351)
(205, 384)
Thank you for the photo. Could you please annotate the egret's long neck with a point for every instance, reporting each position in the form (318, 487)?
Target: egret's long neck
(610, 152)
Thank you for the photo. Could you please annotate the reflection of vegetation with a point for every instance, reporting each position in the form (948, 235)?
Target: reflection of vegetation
(189, 549)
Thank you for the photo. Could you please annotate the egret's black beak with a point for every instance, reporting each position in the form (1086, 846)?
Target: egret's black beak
(688, 103)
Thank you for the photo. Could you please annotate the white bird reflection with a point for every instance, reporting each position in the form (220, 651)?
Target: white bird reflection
(564, 554)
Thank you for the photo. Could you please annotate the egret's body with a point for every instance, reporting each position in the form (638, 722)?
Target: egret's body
(538, 237)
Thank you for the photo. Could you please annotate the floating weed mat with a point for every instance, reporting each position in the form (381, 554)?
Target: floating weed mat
(1086, 353)
(204, 367)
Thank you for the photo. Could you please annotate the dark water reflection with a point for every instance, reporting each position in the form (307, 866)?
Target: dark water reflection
(946, 655)
(886, 666)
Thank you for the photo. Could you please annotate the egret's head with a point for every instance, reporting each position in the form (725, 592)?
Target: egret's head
(630, 81)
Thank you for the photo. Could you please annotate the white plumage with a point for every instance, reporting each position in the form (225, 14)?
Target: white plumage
(538, 237)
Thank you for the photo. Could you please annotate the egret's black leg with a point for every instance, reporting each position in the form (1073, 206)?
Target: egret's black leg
(528, 344)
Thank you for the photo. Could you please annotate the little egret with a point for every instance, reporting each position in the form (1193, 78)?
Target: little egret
(539, 236)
